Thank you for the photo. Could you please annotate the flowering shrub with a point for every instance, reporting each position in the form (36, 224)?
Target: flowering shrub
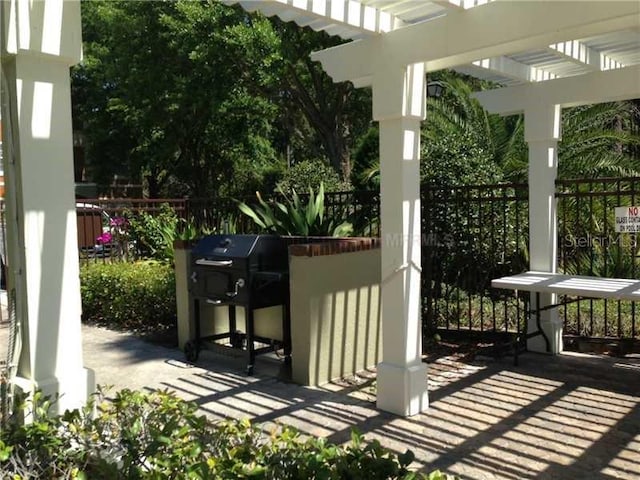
(115, 241)
(104, 239)
(116, 238)
(120, 236)
(142, 235)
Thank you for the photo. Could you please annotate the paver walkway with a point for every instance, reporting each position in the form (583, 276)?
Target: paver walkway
(569, 417)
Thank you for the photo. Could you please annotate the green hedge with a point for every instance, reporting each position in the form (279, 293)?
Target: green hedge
(137, 295)
(141, 435)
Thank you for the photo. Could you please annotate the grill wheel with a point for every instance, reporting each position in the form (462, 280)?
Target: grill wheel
(191, 351)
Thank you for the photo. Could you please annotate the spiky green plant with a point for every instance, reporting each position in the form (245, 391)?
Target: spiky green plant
(294, 217)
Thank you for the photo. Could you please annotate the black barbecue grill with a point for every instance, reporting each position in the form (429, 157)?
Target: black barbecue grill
(251, 271)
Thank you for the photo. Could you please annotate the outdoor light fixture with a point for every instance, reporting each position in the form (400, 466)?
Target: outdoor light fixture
(434, 89)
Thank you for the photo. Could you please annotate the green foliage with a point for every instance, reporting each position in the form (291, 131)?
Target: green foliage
(588, 243)
(457, 158)
(365, 174)
(185, 122)
(153, 234)
(293, 217)
(142, 435)
(600, 318)
(138, 295)
(455, 307)
(461, 143)
(597, 141)
(320, 118)
(311, 174)
(234, 95)
(464, 145)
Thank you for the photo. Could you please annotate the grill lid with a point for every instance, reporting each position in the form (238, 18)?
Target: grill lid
(262, 252)
(236, 246)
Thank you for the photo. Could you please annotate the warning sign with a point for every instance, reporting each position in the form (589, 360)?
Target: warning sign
(628, 219)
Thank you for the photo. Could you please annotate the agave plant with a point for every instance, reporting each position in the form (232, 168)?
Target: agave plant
(294, 217)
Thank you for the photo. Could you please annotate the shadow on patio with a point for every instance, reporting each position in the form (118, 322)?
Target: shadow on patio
(553, 418)
(567, 417)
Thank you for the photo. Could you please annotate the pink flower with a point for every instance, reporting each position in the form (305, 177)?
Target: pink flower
(118, 222)
(105, 238)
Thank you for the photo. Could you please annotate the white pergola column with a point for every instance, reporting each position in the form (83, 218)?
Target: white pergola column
(541, 103)
(399, 107)
(542, 132)
(40, 41)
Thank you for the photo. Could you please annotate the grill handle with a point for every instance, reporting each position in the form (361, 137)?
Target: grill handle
(214, 263)
(239, 285)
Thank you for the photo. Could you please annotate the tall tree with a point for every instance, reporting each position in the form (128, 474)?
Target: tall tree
(333, 116)
(160, 80)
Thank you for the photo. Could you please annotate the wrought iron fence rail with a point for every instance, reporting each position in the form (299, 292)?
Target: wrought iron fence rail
(470, 234)
(589, 245)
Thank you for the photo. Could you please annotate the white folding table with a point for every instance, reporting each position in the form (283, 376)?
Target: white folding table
(562, 284)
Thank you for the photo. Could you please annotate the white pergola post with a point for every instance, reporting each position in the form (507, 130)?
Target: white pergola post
(541, 103)
(542, 132)
(40, 41)
(399, 107)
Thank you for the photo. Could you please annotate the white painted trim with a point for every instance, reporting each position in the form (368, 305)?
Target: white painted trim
(353, 18)
(577, 52)
(596, 87)
(463, 37)
(505, 66)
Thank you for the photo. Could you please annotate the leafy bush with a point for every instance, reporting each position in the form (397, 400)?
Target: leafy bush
(310, 174)
(365, 174)
(128, 295)
(153, 235)
(155, 435)
(294, 218)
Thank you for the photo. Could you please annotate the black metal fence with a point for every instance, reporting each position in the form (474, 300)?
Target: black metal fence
(475, 234)
(98, 222)
(361, 208)
(588, 244)
(470, 235)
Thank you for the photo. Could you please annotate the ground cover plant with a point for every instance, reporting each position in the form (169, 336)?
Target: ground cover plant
(155, 435)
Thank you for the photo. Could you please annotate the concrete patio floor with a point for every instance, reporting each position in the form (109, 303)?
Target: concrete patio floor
(567, 417)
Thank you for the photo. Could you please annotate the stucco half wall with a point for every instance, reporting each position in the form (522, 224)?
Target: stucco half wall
(335, 310)
(335, 307)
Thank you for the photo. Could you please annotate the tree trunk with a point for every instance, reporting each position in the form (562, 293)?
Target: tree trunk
(338, 153)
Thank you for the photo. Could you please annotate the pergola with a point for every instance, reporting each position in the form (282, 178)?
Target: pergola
(547, 54)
